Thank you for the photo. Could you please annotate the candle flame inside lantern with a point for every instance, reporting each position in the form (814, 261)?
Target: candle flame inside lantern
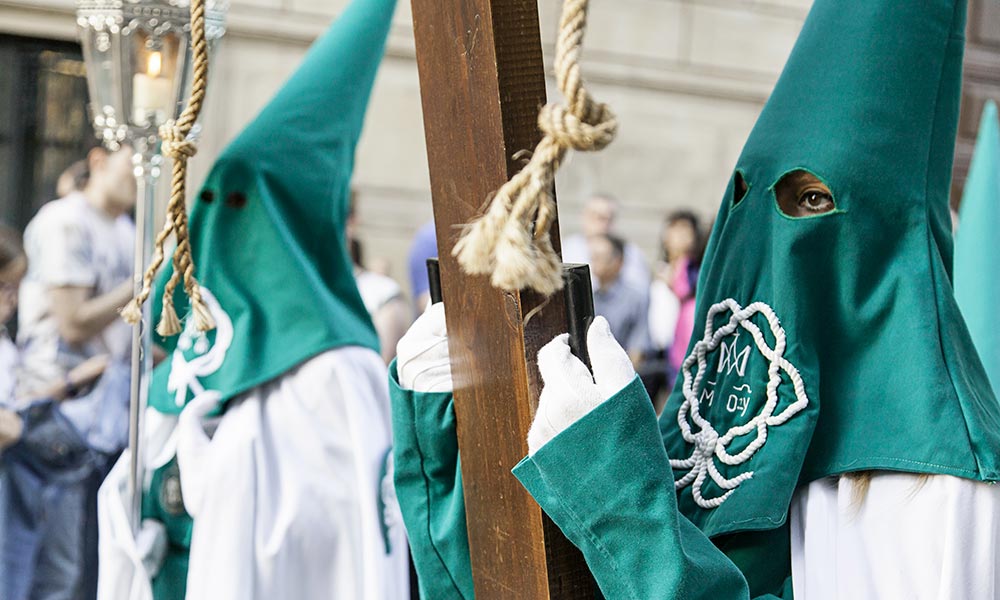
(154, 64)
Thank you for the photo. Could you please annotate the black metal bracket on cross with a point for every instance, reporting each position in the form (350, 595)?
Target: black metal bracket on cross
(577, 291)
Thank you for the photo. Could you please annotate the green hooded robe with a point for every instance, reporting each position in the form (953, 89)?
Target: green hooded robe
(267, 231)
(823, 345)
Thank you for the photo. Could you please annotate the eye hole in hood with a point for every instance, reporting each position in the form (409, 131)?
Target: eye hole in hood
(236, 200)
(800, 194)
(740, 188)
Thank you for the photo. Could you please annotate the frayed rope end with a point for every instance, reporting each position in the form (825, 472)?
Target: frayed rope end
(473, 250)
(132, 313)
(515, 257)
(169, 324)
(203, 319)
(521, 263)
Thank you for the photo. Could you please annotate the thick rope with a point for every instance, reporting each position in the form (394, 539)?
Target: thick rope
(511, 239)
(177, 146)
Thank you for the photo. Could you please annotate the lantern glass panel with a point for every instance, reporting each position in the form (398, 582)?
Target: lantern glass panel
(139, 63)
(100, 52)
(157, 83)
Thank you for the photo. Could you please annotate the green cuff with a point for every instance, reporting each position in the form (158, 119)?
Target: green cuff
(428, 480)
(606, 482)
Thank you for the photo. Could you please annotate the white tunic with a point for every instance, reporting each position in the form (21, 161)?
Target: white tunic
(909, 540)
(286, 496)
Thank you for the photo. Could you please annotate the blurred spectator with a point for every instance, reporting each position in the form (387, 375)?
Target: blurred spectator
(424, 246)
(381, 294)
(599, 214)
(79, 250)
(684, 247)
(73, 179)
(43, 459)
(679, 237)
(380, 265)
(624, 305)
(13, 264)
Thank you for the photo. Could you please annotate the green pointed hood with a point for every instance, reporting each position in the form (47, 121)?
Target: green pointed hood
(268, 227)
(977, 246)
(832, 343)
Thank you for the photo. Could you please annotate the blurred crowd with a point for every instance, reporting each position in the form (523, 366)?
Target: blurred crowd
(64, 381)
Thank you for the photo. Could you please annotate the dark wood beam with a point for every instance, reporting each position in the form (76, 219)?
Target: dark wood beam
(482, 82)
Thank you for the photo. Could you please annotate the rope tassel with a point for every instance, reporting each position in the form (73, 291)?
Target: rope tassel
(180, 148)
(511, 240)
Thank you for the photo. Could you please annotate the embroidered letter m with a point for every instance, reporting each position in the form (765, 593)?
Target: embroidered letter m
(731, 359)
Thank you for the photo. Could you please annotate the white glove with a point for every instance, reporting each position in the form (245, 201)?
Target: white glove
(422, 354)
(192, 448)
(569, 391)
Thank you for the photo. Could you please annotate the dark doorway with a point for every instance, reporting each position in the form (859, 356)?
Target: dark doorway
(44, 125)
(982, 82)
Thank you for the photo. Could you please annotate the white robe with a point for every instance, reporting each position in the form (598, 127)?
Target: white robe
(937, 539)
(126, 564)
(287, 494)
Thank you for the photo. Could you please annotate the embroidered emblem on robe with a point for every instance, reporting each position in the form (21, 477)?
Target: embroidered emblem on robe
(715, 373)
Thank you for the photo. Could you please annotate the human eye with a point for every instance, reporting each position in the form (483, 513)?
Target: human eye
(800, 193)
(816, 201)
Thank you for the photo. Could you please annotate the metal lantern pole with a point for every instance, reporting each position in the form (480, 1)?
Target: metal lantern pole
(147, 171)
(139, 63)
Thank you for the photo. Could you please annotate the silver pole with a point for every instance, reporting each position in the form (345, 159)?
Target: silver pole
(147, 171)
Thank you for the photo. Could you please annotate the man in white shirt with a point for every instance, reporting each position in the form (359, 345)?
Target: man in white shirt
(383, 298)
(79, 274)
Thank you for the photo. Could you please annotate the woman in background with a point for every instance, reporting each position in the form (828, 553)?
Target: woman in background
(41, 455)
(683, 248)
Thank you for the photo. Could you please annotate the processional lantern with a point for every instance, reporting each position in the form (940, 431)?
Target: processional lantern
(140, 63)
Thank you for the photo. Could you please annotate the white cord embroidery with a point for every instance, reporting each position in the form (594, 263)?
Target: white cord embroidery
(184, 375)
(708, 444)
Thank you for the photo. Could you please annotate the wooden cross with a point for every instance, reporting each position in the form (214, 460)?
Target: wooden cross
(482, 82)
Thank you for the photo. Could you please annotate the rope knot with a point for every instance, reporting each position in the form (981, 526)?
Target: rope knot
(176, 144)
(511, 239)
(576, 132)
(705, 441)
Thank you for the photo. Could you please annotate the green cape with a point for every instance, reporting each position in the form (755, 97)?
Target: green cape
(977, 246)
(833, 343)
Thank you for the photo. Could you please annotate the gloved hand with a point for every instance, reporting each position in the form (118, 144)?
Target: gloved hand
(569, 390)
(422, 361)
